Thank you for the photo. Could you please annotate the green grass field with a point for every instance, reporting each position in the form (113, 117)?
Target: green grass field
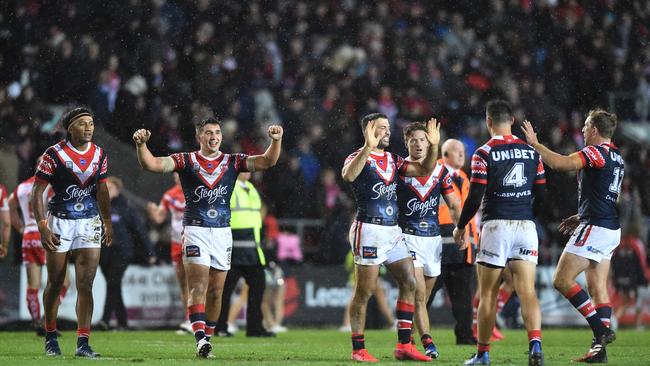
(307, 347)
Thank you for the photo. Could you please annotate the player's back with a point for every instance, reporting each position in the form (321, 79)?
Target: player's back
(599, 185)
(174, 201)
(23, 194)
(509, 168)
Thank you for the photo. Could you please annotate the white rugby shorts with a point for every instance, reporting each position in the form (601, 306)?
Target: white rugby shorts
(426, 252)
(593, 242)
(76, 234)
(209, 246)
(377, 244)
(502, 240)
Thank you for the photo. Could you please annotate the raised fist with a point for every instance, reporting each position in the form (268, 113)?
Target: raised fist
(275, 132)
(141, 136)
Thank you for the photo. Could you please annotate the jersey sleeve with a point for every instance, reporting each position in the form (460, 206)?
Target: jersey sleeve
(179, 161)
(479, 167)
(540, 177)
(46, 168)
(592, 157)
(4, 199)
(241, 162)
(103, 171)
(350, 157)
(446, 187)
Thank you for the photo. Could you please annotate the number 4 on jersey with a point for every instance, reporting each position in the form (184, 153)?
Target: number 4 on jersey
(515, 176)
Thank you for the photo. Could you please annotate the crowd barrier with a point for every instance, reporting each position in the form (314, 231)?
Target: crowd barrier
(315, 296)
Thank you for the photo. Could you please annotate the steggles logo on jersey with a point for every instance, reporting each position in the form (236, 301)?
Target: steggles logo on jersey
(212, 195)
(74, 192)
(380, 189)
(415, 205)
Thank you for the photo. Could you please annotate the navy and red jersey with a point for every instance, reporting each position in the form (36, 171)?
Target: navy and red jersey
(74, 176)
(375, 189)
(509, 168)
(418, 199)
(207, 186)
(599, 184)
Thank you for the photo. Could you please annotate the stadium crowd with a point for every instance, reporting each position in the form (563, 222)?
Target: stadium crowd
(316, 69)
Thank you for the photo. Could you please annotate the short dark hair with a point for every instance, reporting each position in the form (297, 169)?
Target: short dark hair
(206, 121)
(369, 118)
(604, 121)
(71, 114)
(499, 110)
(412, 127)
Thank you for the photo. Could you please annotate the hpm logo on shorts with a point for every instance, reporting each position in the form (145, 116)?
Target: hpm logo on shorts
(529, 252)
(369, 252)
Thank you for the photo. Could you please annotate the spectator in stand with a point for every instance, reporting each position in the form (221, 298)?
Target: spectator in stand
(339, 62)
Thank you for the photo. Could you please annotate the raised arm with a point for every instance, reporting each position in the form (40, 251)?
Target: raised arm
(352, 168)
(163, 164)
(416, 169)
(272, 153)
(554, 160)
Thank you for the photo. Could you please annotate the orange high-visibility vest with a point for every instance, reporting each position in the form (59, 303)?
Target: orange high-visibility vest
(444, 218)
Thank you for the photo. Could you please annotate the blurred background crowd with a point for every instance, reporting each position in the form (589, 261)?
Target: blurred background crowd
(317, 68)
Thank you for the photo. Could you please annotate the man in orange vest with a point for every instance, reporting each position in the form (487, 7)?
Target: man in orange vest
(458, 273)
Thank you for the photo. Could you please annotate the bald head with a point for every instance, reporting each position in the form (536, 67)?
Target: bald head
(453, 153)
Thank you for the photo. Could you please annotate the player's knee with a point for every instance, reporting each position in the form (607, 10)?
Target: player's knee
(214, 293)
(561, 284)
(55, 283)
(362, 294)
